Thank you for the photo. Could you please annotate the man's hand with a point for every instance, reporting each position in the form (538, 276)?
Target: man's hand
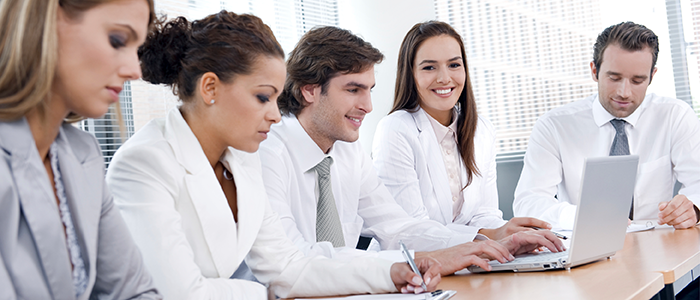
(528, 241)
(408, 282)
(461, 256)
(514, 225)
(679, 212)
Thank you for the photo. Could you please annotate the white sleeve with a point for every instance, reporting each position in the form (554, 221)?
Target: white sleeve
(394, 161)
(487, 215)
(542, 173)
(145, 187)
(388, 222)
(685, 154)
(291, 274)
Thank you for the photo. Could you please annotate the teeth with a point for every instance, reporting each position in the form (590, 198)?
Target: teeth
(354, 119)
(443, 92)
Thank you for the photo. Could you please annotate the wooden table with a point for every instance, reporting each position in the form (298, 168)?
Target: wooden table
(649, 262)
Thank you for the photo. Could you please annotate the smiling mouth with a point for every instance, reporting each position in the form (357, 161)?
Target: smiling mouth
(443, 91)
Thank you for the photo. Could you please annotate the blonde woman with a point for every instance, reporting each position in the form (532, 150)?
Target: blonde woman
(61, 237)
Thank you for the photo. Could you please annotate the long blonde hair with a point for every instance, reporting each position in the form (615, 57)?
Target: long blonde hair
(29, 51)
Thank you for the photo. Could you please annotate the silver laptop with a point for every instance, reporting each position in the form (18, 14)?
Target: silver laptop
(601, 218)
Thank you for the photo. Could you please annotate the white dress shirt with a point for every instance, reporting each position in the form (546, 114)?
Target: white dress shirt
(447, 139)
(664, 132)
(179, 217)
(407, 157)
(363, 202)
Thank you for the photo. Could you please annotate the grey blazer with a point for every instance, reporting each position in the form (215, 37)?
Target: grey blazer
(34, 261)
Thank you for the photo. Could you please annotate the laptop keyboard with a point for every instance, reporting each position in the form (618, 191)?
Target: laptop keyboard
(538, 257)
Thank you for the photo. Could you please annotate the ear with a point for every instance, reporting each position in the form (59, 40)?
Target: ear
(311, 92)
(594, 72)
(652, 75)
(208, 85)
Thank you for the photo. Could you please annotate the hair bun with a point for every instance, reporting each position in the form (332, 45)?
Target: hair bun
(162, 53)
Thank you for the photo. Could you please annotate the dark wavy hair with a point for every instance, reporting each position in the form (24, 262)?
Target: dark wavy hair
(629, 36)
(178, 52)
(406, 95)
(320, 55)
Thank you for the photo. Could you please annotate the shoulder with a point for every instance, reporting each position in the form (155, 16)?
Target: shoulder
(667, 105)
(398, 123)
(83, 144)
(484, 126)
(567, 113)
(147, 149)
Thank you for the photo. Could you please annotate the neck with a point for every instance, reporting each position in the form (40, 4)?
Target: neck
(45, 124)
(322, 140)
(443, 117)
(213, 148)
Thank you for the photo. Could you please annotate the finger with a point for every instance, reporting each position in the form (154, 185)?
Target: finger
(681, 212)
(662, 205)
(677, 202)
(530, 222)
(541, 238)
(687, 224)
(496, 251)
(474, 260)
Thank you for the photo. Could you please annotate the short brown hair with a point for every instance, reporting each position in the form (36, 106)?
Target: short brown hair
(629, 36)
(179, 52)
(320, 55)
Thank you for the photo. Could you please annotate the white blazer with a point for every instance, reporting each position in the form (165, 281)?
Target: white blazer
(180, 218)
(408, 159)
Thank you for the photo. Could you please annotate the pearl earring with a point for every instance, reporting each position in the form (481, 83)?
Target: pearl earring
(212, 101)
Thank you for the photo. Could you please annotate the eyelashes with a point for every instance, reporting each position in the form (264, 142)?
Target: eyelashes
(263, 98)
(117, 41)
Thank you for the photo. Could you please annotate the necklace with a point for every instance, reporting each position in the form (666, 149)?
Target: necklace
(227, 175)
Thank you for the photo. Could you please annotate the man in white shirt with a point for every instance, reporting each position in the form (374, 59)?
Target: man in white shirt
(664, 132)
(326, 96)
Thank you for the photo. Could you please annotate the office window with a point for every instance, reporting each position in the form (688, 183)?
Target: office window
(541, 49)
(142, 102)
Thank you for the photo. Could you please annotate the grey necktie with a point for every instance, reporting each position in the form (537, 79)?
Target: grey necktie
(328, 226)
(620, 146)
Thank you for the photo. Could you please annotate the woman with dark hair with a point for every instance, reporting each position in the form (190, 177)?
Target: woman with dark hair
(433, 151)
(190, 185)
(60, 235)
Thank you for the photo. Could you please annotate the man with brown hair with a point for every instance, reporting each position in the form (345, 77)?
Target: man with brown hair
(619, 120)
(323, 184)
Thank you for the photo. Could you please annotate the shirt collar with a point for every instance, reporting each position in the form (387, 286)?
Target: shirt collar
(441, 131)
(602, 116)
(303, 150)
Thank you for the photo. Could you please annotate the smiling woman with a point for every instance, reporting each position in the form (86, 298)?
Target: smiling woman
(60, 235)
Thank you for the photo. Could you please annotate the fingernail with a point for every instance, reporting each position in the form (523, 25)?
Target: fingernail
(511, 257)
(410, 288)
(416, 280)
(404, 290)
(418, 290)
(427, 279)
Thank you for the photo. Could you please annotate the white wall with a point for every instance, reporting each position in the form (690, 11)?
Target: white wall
(383, 23)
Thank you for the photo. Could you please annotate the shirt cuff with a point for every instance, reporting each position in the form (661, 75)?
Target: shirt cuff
(567, 217)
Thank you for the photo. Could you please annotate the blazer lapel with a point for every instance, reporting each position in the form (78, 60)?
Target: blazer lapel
(250, 197)
(83, 196)
(209, 201)
(436, 165)
(39, 207)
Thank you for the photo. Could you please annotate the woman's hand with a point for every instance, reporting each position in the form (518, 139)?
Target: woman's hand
(408, 282)
(514, 225)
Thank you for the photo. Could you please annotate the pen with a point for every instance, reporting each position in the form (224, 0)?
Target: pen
(559, 235)
(411, 263)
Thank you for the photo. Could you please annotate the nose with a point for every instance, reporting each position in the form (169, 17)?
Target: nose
(273, 113)
(131, 69)
(365, 103)
(443, 76)
(624, 89)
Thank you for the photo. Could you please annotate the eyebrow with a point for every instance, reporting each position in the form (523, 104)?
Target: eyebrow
(358, 85)
(429, 61)
(269, 85)
(644, 77)
(132, 32)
